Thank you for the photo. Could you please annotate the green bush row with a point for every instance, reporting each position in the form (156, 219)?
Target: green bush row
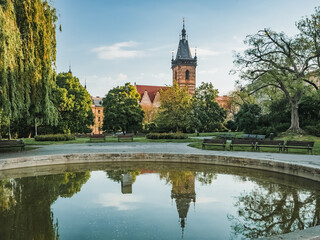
(313, 129)
(166, 136)
(55, 137)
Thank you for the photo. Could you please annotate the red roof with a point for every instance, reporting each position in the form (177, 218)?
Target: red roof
(152, 90)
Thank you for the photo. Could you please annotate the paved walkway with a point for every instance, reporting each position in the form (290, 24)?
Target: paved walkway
(180, 148)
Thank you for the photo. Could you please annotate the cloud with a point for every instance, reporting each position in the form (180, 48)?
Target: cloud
(122, 77)
(204, 52)
(119, 201)
(118, 51)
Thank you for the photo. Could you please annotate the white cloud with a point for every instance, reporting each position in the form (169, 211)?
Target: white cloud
(122, 77)
(119, 201)
(118, 51)
(161, 76)
(205, 52)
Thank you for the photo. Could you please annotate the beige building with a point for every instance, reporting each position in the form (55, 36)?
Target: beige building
(97, 110)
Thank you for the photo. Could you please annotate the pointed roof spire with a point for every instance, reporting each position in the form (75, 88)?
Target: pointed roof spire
(183, 31)
(70, 69)
(85, 83)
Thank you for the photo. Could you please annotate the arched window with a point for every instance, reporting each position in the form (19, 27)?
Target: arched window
(175, 75)
(187, 75)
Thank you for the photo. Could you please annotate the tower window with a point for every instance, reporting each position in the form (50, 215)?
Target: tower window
(175, 75)
(187, 75)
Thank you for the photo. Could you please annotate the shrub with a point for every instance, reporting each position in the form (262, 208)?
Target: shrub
(55, 137)
(313, 129)
(167, 136)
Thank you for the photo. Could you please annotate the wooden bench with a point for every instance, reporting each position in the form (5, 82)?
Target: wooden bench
(125, 137)
(214, 142)
(253, 136)
(11, 143)
(270, 144)
(299, 145)
(227, 135)
(97, 137)
(243, 143)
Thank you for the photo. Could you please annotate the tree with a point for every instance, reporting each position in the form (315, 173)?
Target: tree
(27, 60)
(73, 103)
(205, 112)
(248, 117)
(122, 110)
(174, 109)
(275, 60)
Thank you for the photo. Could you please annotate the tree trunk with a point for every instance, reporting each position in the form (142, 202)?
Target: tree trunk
(294, 117)
(9, 130)
(35, 127)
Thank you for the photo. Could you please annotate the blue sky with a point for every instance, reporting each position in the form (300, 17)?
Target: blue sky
(110, 42)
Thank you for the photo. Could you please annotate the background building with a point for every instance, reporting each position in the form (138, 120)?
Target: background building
(97, 110)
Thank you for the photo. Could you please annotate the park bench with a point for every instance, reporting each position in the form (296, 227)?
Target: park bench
(299, 145)
(253, 136)
(97, 137)
(214, 142)
(125, 137)
(82, 135)
(243, 143)
(269, 144)
(227, 135)
(11, 143)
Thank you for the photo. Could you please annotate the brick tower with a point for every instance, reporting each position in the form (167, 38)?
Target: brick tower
(184, 66)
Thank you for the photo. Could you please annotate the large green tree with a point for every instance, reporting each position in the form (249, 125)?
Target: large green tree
(27, 60)
(274, 60)
(174, 109)
(205, 113)
(122, 111)
(73, 103)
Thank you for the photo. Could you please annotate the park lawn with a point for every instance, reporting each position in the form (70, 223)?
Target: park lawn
(285, 137)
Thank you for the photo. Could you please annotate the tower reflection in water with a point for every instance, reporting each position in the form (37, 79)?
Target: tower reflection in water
(183, 189)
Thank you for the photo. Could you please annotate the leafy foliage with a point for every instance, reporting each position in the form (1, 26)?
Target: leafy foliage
(205, 113)
(174, 109)
(27, 60)
(74, 105)
(274, 60)
(248, 117)
(122, 110)
(55, 137)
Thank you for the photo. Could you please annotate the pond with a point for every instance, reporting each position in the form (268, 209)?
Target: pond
(153, 201)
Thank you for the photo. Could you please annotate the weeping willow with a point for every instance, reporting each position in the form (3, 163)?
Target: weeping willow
(27, 60)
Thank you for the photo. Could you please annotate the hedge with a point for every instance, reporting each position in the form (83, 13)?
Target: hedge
(55, 137)
(166, 136)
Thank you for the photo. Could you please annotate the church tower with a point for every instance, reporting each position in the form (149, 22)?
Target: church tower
(184, 66)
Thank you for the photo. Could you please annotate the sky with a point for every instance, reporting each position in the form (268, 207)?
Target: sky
(110, 42)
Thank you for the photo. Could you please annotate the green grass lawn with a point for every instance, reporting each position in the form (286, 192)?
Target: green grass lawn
(284, 136)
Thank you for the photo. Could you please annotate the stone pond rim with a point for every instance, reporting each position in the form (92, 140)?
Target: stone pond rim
(294, 169)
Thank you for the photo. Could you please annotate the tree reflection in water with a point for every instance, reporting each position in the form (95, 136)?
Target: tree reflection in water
(273, 209)
(25, 204)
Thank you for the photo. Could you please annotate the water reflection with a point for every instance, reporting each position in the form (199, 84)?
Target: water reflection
(263, 204)
(25, 205)
(272, 209)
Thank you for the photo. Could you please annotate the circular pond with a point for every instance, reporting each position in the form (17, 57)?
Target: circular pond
(153, 201)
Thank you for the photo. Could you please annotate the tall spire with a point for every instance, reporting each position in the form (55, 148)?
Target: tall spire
(183, 31)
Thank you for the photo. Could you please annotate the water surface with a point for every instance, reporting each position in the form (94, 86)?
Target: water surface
(153, 201)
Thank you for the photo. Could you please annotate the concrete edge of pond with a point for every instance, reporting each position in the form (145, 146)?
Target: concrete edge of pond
(308, 172)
